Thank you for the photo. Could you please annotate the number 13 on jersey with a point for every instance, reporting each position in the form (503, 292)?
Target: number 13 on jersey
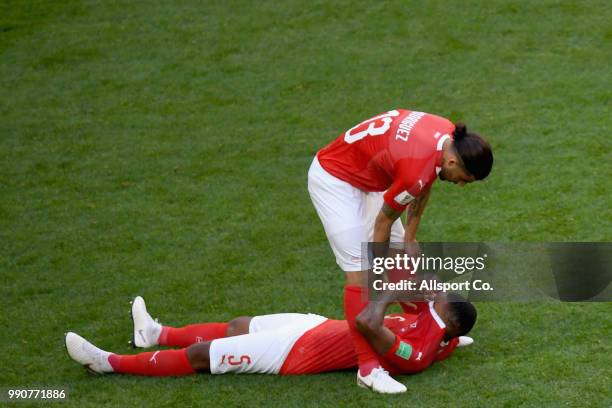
(377, 126)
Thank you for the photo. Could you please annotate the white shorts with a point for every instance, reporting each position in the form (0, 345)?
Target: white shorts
(348, 216)
(265, 348)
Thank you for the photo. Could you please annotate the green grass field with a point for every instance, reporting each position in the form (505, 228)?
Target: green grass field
(161, 148)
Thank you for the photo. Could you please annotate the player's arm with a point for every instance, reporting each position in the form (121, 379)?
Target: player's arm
(387, 216)
(370, 323)
(397, 352)
(382, 230)
(384, 220)
(397, 196)
(414, 211)
(409, 193)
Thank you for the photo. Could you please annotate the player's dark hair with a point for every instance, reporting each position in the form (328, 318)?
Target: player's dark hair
(462, 313)
(474, 151)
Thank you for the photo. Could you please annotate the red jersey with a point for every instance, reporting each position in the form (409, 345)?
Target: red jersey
(399, 151)
(326, 347)
(329, 346)
(419, 335)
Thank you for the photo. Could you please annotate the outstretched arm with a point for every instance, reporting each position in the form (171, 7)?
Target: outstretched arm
(370, 321)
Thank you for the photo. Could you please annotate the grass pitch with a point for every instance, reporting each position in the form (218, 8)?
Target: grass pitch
(161, 148)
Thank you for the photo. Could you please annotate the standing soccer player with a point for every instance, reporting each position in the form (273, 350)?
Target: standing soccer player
(362, 182)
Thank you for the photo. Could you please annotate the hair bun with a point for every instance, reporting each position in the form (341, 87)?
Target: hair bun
(460, 131)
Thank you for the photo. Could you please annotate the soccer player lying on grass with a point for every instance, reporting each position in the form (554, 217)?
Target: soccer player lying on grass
(288, 343)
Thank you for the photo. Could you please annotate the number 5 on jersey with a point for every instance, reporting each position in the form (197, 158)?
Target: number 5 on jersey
(377, 126)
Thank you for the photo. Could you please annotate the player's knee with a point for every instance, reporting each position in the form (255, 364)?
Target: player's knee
(358, 278)
(238, 326)
(198, 355)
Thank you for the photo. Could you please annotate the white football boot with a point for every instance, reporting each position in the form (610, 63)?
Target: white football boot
(380, 381)
(465, 341)
(88, 355)
(146, 330)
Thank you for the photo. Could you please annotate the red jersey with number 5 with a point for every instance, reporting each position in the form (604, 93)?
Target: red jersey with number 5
(399, 151)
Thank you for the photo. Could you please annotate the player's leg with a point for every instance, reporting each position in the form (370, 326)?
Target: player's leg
(202, 332)
(343, 212)
(261, 352)
(153, 363)
(279, 321)
(149, 333)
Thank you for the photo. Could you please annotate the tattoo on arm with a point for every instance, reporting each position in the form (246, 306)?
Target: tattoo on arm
(390, 212)
(414, 208)
(413, 214)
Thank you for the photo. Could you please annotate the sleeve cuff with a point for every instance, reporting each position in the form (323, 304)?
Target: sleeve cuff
(391, 203)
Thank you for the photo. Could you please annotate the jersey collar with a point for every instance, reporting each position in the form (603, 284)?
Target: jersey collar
(435, 315)
(439, 152)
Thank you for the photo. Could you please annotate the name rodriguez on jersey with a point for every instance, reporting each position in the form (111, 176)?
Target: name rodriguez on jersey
(431, 285)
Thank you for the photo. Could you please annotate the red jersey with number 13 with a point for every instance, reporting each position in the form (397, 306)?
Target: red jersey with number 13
(399, 151)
